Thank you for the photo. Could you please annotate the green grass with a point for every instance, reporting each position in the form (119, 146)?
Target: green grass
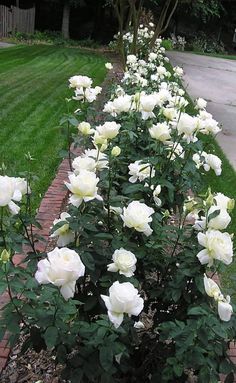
(33, 88)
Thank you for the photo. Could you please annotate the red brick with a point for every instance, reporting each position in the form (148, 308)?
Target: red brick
(3, 362)
(4, 352)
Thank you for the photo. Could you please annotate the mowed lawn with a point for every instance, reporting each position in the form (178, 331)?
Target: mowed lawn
(33, 88)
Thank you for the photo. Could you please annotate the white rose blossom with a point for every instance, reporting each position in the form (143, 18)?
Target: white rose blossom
(62, 268)
(155, 194)
(160, 132)
(80, 82)
(83, 163)
(123, 299)
(64, 234)
(109, 66)
(147, 104)
(224, 202)
(108, 130)
(124, 261)
(85, 128)
(217, 246)
(12, 189)
(221, 221)
(83, 187)
(99, 157)
(225, 309)
(201, 103)
(137, 215)
(187, 125)
(140, 171)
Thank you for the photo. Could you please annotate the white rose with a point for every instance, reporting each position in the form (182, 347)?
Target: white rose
(224, 202)
(116, 151)
(123, 261)
(62, 268)
(85, 128)
(208, 126)
(100, 142)
(64, 234)
(108, 130)
(155, 194)
(100, 158)
(12, 189)
(123, 299)
(178, 71)
(109, 66)
(169, 113)
(147, 104)
(201, 103)
(161, 70)
(91, 93)
(213, 162)
(122, 104)
(131, 59)
(225, 310)
(140, 171)
(110, 108)
(80, 82)
(211, 288)
(137, 216)
(83, 163)
(217, 246)
(187, 126)
(152, 56)
(160, 132)
(221, 221)
(83, 187)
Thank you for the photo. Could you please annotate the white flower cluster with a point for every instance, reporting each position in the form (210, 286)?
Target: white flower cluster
(83, 88)
(218, 245)
(147, 95)
(12, 189)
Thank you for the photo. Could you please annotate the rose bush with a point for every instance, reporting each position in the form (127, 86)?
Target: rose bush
(130, 298)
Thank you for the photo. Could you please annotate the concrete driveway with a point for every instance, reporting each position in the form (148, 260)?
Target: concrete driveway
(5, 45)
(213, 79)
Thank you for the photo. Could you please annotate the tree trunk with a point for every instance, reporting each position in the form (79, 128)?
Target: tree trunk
(163, 21)
(65, 29)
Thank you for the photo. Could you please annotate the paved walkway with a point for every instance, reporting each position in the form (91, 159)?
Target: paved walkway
(5, 45)
(213, 79)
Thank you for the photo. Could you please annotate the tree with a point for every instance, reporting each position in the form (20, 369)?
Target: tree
(66, 8)
(128, 14)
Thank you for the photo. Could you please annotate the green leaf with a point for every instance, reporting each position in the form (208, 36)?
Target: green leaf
(225, 367)
(50, 336)
(88, 261)
(214, 214)
(106, 358)
(197, 311)
(103, 236)
(178, 370)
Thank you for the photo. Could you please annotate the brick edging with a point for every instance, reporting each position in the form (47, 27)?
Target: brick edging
(50, 208)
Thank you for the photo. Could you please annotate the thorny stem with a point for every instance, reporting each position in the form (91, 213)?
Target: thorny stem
(12, 298)
(109, 191)
(1, 226)
(69, 145)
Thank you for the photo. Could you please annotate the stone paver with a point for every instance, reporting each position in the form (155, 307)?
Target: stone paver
(214, 79)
